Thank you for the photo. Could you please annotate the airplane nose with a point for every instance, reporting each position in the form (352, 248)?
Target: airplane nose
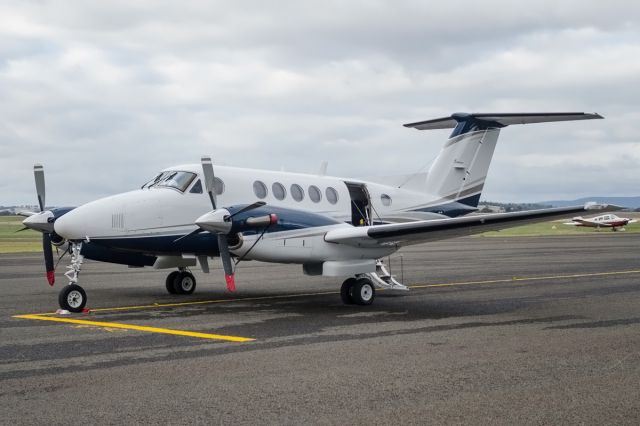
(89, 220)
(70, 226)
(102, 218)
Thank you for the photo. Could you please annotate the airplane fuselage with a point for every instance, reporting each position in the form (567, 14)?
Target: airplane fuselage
(150, 220)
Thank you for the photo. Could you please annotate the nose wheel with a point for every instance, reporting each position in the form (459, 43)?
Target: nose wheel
(72, 298)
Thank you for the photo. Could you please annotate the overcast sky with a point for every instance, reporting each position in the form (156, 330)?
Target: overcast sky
(105, 93)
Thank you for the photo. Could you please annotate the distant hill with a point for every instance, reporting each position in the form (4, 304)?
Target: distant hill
(629, 202)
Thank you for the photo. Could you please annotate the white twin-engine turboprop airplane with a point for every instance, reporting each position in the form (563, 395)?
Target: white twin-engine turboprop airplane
(331, 226)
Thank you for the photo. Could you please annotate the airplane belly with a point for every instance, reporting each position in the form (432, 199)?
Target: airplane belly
(305, 250)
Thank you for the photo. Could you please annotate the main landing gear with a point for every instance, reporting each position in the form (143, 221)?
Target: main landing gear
(358, 291)
(361, 289)
(180, 282)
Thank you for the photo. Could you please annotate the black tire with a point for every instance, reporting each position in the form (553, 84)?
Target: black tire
(363, 292)
(72, 298)
(345, 291)
(169, 282)
(184, 283)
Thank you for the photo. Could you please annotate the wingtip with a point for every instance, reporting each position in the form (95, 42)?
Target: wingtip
(592, 205)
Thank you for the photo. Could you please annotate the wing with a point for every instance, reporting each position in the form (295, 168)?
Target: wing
(440, 229)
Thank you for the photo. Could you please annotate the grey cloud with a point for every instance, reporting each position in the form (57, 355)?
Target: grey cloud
(106, 93)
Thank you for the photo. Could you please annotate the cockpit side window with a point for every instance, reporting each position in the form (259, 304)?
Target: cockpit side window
(176, 179)
(196, 188)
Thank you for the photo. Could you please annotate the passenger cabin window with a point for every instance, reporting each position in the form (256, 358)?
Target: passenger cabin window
(332, 195)
(297, 192)
(196, 188)
(278, 191)
(176, 179)
(260, 189)
(315, 194)
(386, 200)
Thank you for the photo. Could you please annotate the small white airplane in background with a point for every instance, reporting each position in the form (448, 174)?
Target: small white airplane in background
(603, 221)
(331, 226)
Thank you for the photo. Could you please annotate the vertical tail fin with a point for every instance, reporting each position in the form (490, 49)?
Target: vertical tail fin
(460, 169)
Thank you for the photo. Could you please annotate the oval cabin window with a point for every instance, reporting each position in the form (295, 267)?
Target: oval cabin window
(278, 191)
(332, 195)
(315, 194)
(297, 192)
(260, 189)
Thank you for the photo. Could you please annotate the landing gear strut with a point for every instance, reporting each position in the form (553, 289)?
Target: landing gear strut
(180, 282)
(72, 297)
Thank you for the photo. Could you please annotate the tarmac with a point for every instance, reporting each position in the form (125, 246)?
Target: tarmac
(535, 330)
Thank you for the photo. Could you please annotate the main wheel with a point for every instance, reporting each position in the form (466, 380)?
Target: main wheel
(362, 292)
(184, 283)
(345, 291)
(72, 298)
(169, 282)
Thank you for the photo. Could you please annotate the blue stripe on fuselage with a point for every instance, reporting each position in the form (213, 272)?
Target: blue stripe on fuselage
(206, 243)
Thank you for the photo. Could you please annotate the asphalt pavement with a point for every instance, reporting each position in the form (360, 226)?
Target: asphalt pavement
(536, 330)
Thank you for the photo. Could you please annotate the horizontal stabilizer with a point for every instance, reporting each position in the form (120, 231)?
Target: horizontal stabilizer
(500, 119)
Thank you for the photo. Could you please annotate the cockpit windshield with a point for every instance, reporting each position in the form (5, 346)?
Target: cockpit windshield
(153, 181)
(172, 179)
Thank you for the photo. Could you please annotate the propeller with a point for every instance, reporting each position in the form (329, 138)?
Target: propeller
(223, 244)
(34, 221)
(207, 170)
(220, 222)
(38, 173)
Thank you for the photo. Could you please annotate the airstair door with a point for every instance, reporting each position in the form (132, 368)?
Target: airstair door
(360, 204)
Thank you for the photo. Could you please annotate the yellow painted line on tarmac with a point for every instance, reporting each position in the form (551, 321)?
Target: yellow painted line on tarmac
(199, 302)
(137, 328)
(525, 279)
(324, 293)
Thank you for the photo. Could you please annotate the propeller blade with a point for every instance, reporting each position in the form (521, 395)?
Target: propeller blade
(194, 232)
(247, 208)
(207, 170)
(227, 265)
(20, 230)
(38, 173)
(48, 258)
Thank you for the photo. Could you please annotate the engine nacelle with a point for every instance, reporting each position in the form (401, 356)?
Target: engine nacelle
(57, 240)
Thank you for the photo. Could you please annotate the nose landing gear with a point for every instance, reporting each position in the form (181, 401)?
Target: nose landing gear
(72, 297)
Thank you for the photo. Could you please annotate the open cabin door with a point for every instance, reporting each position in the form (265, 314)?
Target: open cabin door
(360, 203)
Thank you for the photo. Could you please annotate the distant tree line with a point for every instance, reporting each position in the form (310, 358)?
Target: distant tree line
(510, 207)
